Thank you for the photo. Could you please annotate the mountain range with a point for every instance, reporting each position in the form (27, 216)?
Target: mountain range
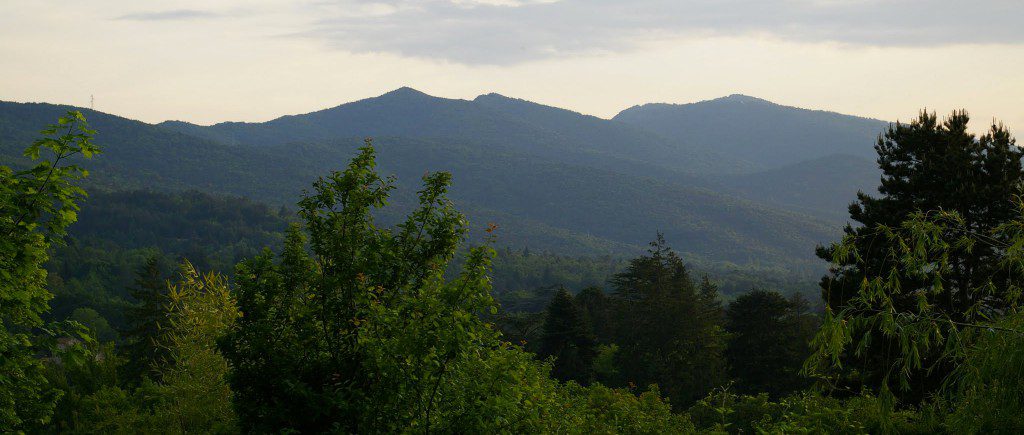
(732, 180)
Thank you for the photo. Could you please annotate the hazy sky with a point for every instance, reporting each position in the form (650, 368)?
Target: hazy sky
(209, 61)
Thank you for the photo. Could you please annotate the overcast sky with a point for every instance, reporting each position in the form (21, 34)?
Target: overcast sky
(253, 60)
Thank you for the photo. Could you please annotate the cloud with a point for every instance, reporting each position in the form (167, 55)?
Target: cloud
(501, 32)
(169, 15)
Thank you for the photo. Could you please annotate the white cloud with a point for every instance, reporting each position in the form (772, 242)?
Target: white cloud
(513, 31)
(258, 59)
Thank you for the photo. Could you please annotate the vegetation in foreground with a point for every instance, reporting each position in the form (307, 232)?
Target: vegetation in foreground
(351, 327)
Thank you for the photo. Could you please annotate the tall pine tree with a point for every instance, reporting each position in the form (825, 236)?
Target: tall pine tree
(928, 165)
(143, 350)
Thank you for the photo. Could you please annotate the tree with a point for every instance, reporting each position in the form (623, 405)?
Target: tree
(353, 328)
(192, 394)
(362, 333)
(97, 325)
(927, 166)
(36, 207)
(567, 337)
(143, 350)
(769, 339)
(668, 330)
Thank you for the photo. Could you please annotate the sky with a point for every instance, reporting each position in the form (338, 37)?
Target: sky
(254, 60)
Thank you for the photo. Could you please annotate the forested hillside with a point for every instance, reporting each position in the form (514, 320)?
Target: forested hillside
(819, 187)
(556, 135)
(743, 127)
(551, 179)
(341, 323)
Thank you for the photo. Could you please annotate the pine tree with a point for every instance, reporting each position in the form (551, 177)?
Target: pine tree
(668, 330)
(568, 338)
(143, 350)
(929, 166)
(711, 305)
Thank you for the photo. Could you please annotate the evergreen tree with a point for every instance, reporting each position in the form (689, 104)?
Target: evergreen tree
(668, 330)
(769, 339)
(709, 301)
(599, 311)
(928, 166)
(143, 350)
(568, 338)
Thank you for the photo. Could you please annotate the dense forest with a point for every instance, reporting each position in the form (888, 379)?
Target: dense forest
(351, 309)
(554, 180)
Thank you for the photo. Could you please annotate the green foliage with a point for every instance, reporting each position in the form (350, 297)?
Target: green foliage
(79, 370)
(568, 338)
(143, 349)
(769, 339)
(807, 413)
(361, 332)
(97, 325)
(934, 253)
(119, 232)
(927, 337)
(192, 394)
(599, 409)
(36, 207)
(987, 390)
(667, 325)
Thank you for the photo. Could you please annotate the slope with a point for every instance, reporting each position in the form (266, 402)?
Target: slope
(752, 129)
(548, 205)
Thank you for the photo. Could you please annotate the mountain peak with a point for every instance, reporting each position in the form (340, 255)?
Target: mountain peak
(742, 99)
(491, 95)
(405, 91)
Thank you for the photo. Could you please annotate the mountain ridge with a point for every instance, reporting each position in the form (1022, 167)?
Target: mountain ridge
(554, 179)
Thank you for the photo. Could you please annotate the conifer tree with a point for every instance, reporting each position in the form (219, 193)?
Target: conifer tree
(668, 330)
(568, 338)
(769, 339)
(143, 350)
(928, 166)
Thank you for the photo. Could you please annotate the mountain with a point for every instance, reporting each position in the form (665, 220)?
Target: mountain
(141, 155)
(561, 205)
(491, 122)
(823, 187)
(751, 129)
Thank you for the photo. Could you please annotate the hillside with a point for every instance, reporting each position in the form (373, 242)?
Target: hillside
(557, 135)
(822, 187)
(751, 129)
(723, 145)
(546, 204)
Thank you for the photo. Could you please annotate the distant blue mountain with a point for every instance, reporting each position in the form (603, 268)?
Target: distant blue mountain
(751, 129)
(553, 179)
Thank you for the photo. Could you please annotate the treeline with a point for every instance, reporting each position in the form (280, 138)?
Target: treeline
(351, 327)
(658, 325)
(119, 232)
